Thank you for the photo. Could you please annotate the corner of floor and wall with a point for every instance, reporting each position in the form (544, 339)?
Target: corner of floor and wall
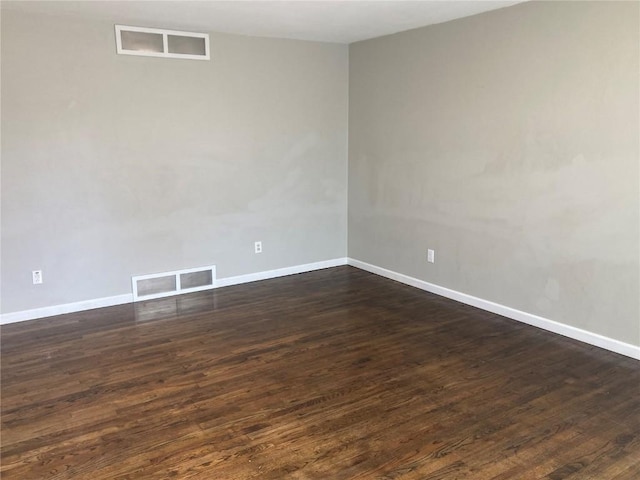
(506, 143)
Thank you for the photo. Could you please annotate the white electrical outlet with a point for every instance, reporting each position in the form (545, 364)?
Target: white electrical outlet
(37, 277)
(431, 256)
(258, 247)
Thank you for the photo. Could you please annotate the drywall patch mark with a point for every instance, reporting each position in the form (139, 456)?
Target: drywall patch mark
(298, 159)
(551, 295)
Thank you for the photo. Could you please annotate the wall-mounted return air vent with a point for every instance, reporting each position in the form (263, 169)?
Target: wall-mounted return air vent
(158, 285)
(157, 42)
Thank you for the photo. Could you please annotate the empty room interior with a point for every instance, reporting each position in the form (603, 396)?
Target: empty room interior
(320, 240)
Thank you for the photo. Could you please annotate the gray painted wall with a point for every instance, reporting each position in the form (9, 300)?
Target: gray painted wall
(509, 143)
(117, 165)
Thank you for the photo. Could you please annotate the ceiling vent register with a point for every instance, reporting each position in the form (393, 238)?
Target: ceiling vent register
(157, 42)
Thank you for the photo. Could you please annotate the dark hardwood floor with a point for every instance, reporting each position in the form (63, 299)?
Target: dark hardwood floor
(333, 374)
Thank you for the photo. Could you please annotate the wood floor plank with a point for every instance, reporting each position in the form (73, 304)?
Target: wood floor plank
(333, 374)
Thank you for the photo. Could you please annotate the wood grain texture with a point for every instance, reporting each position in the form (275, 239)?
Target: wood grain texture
(333, 374)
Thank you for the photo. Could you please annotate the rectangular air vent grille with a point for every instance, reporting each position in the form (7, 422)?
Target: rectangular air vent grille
(158, 285)
(158, 42)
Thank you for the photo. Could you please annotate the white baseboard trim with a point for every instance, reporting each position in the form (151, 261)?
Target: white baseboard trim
(585, 336)
(65, 308)
(21, 316)
(280, 272)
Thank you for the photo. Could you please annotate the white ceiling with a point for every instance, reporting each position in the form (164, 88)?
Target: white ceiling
(342, 21)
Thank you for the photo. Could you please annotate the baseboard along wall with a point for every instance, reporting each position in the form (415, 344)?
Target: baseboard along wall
(35, 313)
(585, 336)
